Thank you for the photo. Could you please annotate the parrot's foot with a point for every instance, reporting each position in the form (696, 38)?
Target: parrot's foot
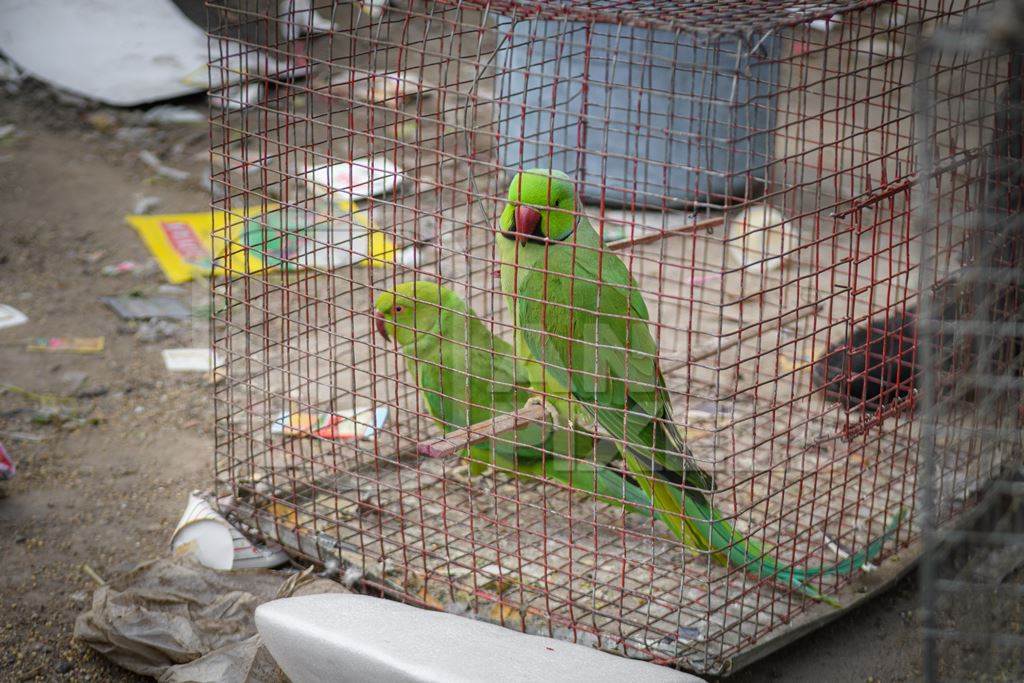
(549, 410)
(584, 423)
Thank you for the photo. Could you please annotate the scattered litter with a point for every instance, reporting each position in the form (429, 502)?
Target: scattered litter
(11, 317)
(7, 468)
(288, 238)
(98, 50)
(347, 425)
(298, 18)
(173, 113)
(151, 160)
(102, 120)
(410, 257)
(824, 25)
(291, 238)
(393, 88)
(189, 360)
(155, 330)
(120, 268)
(7, 130)
(177, 620)
(358, 179)
(216, 543)
(760, 237)
(373, 8)
(67, 344)
(94, 575)
(145, 204)
(146, 308)
(181, 243)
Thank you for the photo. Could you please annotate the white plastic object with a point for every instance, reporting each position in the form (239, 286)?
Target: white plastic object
(347, 637)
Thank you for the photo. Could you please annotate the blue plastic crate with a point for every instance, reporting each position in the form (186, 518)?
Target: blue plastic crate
(649, 118)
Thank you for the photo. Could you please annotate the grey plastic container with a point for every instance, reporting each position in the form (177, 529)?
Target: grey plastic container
(642, 118)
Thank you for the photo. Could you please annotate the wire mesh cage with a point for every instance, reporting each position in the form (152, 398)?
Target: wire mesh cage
(656, 390)
(970, 347)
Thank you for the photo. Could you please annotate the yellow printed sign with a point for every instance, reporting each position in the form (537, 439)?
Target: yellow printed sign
(187, 245)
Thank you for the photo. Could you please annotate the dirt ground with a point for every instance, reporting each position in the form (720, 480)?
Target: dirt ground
(104, 472)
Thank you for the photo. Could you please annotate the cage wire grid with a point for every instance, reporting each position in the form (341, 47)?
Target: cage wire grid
(971, 589)
(756, 172)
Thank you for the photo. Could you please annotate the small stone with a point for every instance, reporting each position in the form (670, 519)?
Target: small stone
(64, 667)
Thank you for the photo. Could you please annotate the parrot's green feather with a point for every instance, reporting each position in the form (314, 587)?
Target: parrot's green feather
(580, 315)
(467, 375)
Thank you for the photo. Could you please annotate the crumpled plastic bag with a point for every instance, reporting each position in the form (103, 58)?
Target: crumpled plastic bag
(178, 621)
(246, 661)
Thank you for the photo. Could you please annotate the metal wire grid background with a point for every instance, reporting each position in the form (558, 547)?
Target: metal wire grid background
(787, 336)
(970, 353)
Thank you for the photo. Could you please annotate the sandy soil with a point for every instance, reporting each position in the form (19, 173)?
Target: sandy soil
(105, 487)
(103, 482)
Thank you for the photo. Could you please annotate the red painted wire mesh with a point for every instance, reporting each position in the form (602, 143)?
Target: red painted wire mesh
(752, 163)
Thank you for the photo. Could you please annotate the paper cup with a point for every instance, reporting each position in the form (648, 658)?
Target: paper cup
(205, 533)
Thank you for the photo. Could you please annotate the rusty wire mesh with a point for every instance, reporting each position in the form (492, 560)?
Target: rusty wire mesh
(971, 344)
(755, 171)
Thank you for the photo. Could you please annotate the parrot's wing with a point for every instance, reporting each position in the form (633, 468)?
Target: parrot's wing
(431, 389)
(582, 320)
(589, 327)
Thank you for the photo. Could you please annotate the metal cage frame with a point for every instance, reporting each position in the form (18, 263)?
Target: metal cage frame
(753, 165)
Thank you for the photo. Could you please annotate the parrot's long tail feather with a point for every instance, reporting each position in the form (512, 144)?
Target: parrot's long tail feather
(691, 517)
(730, 547)
(605, 485)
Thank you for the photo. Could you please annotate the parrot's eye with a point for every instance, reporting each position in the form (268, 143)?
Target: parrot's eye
(399, 309)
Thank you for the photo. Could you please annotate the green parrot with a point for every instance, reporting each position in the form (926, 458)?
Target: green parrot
(468, 375)
(580, 317)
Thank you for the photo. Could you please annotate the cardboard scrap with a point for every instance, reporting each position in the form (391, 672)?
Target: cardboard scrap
(146, 308)
(346, 425)
(202, 244)
(189, 360)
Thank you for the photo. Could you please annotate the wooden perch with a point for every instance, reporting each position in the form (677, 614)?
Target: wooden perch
(459, 439)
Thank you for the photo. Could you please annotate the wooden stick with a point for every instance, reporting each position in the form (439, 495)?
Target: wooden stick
(91, 573)
(457, 440)
(680, 229)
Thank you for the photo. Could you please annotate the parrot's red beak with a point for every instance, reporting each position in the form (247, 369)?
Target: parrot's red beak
(378, 321)
(527, 219)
